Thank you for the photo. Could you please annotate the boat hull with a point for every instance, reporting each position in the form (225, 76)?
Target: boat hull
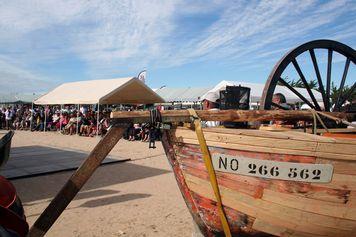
(257, 206)
(5, 145)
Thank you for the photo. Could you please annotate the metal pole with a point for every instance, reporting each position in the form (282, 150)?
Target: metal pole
(97, 121)
(77, 119)
(31, 121)
(60, 116)
(45, 119)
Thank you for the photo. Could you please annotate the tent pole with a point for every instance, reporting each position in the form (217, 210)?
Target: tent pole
(97, 121)
(45, 119)
(60, 116)
(77, 119)
(31, 122)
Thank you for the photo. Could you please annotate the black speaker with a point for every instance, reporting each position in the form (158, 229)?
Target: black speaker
(235, 97)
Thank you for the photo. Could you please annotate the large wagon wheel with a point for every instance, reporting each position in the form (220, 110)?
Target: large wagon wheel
(291, 58)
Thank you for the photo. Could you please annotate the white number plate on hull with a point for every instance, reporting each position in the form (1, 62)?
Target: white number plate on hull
(302, 172)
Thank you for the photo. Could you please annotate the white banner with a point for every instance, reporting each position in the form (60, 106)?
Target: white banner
(142, 76)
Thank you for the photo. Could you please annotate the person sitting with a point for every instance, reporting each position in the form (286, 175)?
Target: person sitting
(71, 126)
(104, 124)
(145, 131)
(280, 102)
(55, 119)
(210, 103)
(84, 128)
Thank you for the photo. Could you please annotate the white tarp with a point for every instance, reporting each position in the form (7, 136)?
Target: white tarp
(110, 91)
(257, 90)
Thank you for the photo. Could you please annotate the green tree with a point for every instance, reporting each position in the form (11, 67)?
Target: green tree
(335, 91)
(313, 84)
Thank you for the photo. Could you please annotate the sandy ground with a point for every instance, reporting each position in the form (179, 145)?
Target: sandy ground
(136, 198)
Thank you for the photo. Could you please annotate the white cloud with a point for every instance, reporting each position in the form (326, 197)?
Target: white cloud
(114, 37)
(13, 78)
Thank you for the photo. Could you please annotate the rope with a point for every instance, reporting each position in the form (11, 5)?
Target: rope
(210, 169)
(315, 117)
(337, 120)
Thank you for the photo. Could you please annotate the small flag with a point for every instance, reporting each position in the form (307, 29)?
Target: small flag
(142, 76)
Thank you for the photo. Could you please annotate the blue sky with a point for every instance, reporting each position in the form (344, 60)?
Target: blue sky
(180, 43)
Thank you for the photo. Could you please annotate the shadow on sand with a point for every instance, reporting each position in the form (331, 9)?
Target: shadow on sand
(114, 199)
(44, 187)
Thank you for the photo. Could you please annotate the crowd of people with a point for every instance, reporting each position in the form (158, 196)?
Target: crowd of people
(68, 120)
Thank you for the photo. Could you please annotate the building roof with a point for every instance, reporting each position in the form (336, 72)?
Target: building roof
(110, 91)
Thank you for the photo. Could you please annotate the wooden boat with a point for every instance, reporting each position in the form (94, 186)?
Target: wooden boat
(254, 204)
(5, 145)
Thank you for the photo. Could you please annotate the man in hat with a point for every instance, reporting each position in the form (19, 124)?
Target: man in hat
(210, 102)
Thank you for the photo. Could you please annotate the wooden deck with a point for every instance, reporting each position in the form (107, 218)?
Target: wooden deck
(31, 161)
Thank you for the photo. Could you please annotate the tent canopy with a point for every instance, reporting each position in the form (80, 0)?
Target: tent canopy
(187, 94)
(257, 90)
(111, 91)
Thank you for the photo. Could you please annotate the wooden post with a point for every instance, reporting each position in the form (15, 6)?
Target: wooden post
(76, 182)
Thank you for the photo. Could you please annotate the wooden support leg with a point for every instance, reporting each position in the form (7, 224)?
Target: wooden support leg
(76, 182)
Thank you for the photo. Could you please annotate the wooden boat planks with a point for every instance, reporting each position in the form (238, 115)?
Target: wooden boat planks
(343, 151)
(255, 187)
(209, 212)
(340, 166)
(288, 135)
(226, 115)
(285, 216)
(338, 191)
(310, 205)
(279, 231)
(287, 140)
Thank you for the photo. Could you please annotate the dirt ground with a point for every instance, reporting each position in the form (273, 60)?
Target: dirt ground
(135, 198)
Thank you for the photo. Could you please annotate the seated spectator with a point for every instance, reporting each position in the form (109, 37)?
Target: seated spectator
(104, 125)
(71, 126)
(55, 119)
(85, 126)
(280, 102)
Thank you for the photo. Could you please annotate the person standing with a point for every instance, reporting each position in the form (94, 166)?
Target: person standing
(8, 118)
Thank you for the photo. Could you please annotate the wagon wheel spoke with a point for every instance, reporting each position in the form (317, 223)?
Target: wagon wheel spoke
(318, 76)
(342, 83)
(296, 92)
(348, 94)
(328, 80)
(306, 85)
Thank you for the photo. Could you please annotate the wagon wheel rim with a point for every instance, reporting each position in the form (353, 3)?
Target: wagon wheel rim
(291, 58)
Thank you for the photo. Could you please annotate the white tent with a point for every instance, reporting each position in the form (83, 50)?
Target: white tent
(257, 90)
(111, 91)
